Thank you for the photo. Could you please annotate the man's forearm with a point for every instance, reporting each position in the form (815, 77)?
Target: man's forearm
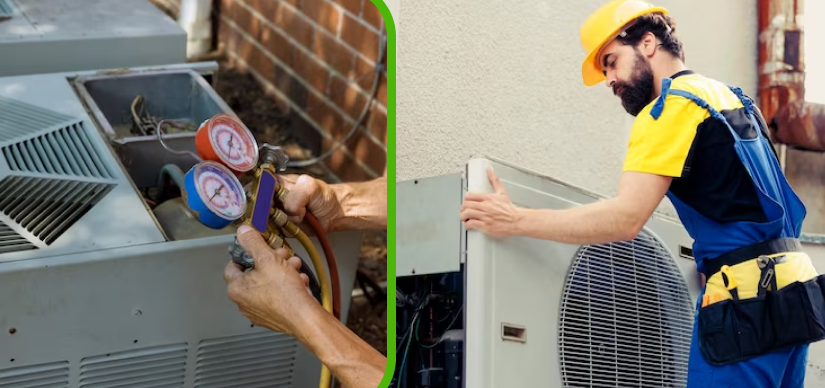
(364, 205)
(597, 223)
(350, 359)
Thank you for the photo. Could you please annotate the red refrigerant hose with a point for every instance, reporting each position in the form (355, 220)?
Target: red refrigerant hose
(331, 262)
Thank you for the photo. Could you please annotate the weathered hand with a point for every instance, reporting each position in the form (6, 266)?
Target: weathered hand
(308, 193)
(493, 214)
(274, 293)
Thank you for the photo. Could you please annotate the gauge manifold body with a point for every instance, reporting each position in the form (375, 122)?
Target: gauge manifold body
(213, 194)
(226, 140)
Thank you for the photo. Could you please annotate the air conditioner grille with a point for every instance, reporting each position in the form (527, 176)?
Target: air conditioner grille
(626, 317)
(162, 366)
(11, 241)
(21, 119)
(53, 375)
(66, 151)
(6, 10)
(48, 207)
(250, 361)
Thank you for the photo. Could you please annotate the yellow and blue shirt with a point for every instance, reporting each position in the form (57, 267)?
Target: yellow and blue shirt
(697, 150)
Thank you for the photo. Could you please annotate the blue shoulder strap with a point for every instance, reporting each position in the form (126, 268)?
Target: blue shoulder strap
(659, 105)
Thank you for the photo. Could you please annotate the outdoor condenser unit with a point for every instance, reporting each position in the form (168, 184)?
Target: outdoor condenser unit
(50, 36)
(545, 314)
(97, 289)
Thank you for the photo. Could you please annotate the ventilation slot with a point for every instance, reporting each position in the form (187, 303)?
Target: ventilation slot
(163, 366)
(249, 361)
(6, 10)
(10, 241)
(52, 375)
(66, 151)
(48, 207)
(626, 317)
(21, 119)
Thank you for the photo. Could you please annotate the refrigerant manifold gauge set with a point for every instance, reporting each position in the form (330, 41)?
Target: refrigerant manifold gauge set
(213, 194)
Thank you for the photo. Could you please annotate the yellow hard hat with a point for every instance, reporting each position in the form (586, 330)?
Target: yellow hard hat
(602, 26)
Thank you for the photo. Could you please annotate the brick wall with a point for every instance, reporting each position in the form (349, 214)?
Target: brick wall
(318, 60)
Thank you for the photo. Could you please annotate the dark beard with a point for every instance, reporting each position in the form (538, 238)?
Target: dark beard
(637, 92)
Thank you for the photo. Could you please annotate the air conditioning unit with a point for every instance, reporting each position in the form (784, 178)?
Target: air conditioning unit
(99, 287)
(52, 36)
(523, 312)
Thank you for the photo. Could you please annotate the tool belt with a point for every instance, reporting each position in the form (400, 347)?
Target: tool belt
(734, 330)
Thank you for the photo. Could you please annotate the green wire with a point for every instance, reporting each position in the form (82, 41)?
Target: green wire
(419, 341)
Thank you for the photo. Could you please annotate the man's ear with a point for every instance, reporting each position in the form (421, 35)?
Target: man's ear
(648, 44)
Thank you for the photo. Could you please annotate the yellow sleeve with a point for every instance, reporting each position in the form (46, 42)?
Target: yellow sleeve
(661, 146)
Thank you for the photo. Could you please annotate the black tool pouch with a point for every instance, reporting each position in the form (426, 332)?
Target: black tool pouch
(735, 330)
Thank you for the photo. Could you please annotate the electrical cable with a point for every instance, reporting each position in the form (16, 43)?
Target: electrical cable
(413, 322)
(332, 263)
(374, 90)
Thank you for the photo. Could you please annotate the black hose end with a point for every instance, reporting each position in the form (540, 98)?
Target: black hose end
(314, 285)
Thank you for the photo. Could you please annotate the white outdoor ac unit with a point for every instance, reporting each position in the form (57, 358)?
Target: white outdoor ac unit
(542, 313)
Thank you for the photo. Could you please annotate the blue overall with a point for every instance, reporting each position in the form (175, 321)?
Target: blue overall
(784, 212)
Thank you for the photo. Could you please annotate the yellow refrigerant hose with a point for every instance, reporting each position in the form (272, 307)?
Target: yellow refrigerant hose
(326, 294)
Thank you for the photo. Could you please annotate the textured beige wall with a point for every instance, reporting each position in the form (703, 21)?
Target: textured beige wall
(503, 79)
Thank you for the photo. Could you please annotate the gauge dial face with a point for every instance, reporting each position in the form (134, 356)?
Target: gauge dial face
(220, 190)
(233, 143)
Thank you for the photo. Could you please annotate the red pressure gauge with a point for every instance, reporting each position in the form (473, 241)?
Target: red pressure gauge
(226, 140)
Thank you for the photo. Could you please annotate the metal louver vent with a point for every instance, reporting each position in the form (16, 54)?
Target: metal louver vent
(162, 366)
(626, 317)
(249, 361)
(21, 119)
(6, 10)
(66, 151)
(54, 375)
(10, 241)
(48, 207)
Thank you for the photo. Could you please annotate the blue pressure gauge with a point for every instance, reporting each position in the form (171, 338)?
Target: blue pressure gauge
(213, 194)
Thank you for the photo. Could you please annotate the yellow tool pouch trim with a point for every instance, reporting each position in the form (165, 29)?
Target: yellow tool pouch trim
(797, 267)
(744, 324)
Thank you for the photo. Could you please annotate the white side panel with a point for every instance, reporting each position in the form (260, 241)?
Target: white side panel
(429, 229)
(519, 282)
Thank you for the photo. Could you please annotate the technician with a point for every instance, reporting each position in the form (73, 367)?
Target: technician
(274, 294)
(704, 146)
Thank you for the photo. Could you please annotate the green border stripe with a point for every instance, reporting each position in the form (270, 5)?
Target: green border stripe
(391, 68)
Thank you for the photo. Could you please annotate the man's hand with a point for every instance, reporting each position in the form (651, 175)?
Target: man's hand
(494, 214)
(308, 193)
(274, 294)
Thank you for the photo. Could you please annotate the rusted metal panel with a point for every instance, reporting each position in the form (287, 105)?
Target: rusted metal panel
(800, 124)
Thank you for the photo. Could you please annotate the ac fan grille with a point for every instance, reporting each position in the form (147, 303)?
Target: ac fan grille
(163, 366)
(11, 241)
(626, 317)
(6, 10)
(48, 207)
(251, 361)
(21, 118)
(66, 151)
(53, 375)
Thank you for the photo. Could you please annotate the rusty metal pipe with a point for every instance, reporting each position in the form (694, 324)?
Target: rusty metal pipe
(781, 63)
(800, 124)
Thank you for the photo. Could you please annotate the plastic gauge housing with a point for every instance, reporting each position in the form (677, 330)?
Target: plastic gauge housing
(213, 194)
(226, 140)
